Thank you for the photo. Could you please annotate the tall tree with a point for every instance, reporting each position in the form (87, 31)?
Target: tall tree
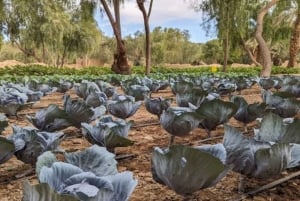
(243, 24)
(288, 18)
(225, 15)
(84, 35)
(120, 64)
(41, 29)
(264, 49)
(275, 35)
(146, 16)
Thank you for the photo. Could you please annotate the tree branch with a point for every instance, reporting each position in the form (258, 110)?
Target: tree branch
(150, 8)
(113, 24)
(25, 51)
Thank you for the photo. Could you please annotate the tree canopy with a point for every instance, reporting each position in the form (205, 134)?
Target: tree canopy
(58, 31)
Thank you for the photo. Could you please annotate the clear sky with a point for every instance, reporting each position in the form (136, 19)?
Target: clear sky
(165, 13)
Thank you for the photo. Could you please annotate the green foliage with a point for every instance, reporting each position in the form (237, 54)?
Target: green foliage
(171, 45)
(212, 51)
(282, 70)
(50, 31)
(10, 52)
(47, 73)
(37, 70)
(168, 45)
(1, 41)
(235, 21)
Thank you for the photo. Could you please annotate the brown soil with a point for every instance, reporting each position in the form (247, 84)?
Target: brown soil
(9, 63)
(146, 137)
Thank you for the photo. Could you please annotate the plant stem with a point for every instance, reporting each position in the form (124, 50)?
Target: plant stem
(241, 185)
(172, 138)
(245, 128)
(208, 133)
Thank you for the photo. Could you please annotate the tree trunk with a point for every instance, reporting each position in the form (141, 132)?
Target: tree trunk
(147, 32)
(226, 52)
(264, 49)
(248, 50)
(44, 51)
(120, 64)
(57, 60)
(86, 60)
(28, 53)
(117, 16)
(251, 55)
(226, 40)
(295, 42)
(63, 57)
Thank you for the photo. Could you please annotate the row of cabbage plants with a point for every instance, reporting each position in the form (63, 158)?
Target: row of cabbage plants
(101, 113)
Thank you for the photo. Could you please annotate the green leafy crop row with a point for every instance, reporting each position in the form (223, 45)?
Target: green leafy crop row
(37, 70)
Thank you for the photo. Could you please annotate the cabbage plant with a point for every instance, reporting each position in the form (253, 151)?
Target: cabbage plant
(156, 106)
(96, 99)
(187, 170)
(119, 126)
(13, 93)
(94, 159)
(91, 94)
(196, 97)
(38, 86)
(107, 88)
(85, 88)
(74, 113)
(34, 96)
(179, 121)
(43, 192)
(215, 112)
(266, 83)
(291, 84)
(154, 85)
(3, 122)
(78, 111)
(259, 159)
(226, 87)
(11, 109)
(61, 85)
(7, 149)
(208, 83)
(23, 91)
(284, 104)
(30, 143)
(181, 87)
(247, 113)
(243, 83)
(108, 133)
(50, 119)
(12, 100)
(137, 91)
(88, 175)
(278, 83)
(123, 106)
(274, 129)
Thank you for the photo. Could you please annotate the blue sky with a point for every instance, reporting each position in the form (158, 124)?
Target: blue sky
(165, 13)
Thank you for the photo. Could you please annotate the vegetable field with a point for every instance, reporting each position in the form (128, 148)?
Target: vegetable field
(174, 138)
